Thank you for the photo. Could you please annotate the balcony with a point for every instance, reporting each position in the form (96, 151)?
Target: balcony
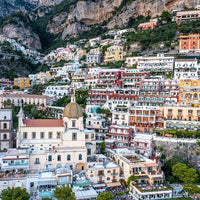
(114, 174)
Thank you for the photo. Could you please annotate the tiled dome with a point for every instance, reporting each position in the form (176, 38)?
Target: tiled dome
(72, 110)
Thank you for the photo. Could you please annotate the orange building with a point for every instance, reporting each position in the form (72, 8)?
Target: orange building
(189, 43)
(145, 118)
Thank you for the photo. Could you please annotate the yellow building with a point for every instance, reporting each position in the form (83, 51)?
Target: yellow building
(189, 92)
(22, 82)
(182, 118)
(82, 52)
(114, 53)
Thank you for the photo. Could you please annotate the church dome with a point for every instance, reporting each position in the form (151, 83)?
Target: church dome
(72, 110)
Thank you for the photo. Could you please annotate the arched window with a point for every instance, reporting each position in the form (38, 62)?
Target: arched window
(68, 157)
(49, 158)
(59, 158)
(5, 126)
(4, 136)
(80, 157)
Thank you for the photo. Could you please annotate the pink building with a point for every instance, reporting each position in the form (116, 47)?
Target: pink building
(147, 26)
(5, 82)
(142, 144)
(119, 137)
(187, 15)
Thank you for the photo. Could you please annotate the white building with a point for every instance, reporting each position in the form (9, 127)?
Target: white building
(147, 192)
(57, 91)
(156, 63)
(102, 172)
(5, 129)
(186, 69)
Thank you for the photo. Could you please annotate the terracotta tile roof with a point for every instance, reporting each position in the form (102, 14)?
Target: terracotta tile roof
(151, 164)
(43, 122)
(24, 96)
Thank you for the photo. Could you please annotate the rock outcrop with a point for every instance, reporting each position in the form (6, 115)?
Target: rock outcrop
(92, 12)
(24, 35)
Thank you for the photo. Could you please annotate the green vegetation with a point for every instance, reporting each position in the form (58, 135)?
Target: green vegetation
(131, 178)
(191, 188)
(64, 193)
(184, 173)
(167, 167)
(31, 112)
(38, 89)
(105, 196)
(102, 146)
(180, 134)
(192, 26)
(15, 194)
(62, 102)
(81, 97)
(112, 65)
(166, 16)
(147, 38)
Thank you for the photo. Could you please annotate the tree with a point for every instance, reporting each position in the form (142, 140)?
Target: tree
(62, 102)
(131, 178)
(167, 167)
(64, 193)
(15, 194)
(184, 173)
(166, 16)
(105, 196)
(15, 87)
(191, 188)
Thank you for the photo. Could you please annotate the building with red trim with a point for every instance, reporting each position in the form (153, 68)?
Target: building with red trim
(147, 26)
(118, 137)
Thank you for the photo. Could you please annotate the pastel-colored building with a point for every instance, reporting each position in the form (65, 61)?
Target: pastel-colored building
(134, 164)
(182, 118)
(114, 54)
(189, 92)
(55, 143)
(187, 15)
(147, 26)
(189, 43)
(22, 82)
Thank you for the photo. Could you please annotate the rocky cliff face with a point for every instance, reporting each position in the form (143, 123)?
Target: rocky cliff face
(95, 12)
(8, 7)
(24, 35)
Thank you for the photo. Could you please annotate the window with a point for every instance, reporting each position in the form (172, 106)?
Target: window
(37, 161)
(50, 135)
(80, 157)
(92, 136)
(4, 136)
(33, 135)
(42, 135)
(4, 117)
(5, 126)
(86, 136)
(31, 184)
(49, 158)
(58, 135)
(73, 123)
(74, 136)
(59, 158)
(24, 135)
(68, 157)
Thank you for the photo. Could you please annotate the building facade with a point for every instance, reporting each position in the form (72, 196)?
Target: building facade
(189, 43)
(22, 82)
(6, 129)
